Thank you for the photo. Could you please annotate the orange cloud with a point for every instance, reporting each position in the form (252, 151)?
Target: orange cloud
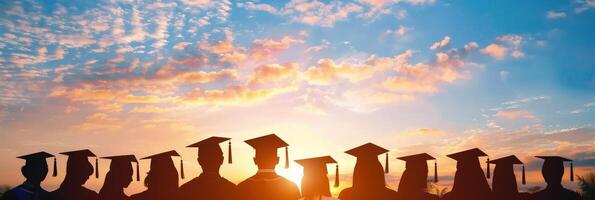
(515, 114)
(328, 71)
(274, 72)
(495, 50)
(264, 48)
(232, 95)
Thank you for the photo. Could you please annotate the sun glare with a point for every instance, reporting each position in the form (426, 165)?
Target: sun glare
(294, 174)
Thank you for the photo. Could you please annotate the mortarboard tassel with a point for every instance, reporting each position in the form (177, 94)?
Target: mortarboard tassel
(229, 158)
(182, 169)
(137, 172)
(435, 172)
(55, 173)
(571, 172)
(336, 175)
(386, 164)
(286, 158)
(524, 180)
(96, 168)
(488, 174)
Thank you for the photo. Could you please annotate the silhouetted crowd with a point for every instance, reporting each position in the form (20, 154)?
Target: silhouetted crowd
(470, 181)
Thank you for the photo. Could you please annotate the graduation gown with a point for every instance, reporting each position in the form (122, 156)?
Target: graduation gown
(208, 187)
(268, 186)
(105, 194)
(383, 194)
(66, 192)
(153, 195)
(25, 191)
(419, 196)
(555, 193)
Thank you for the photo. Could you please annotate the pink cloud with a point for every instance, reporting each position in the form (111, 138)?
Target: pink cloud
(495, 51)
(441, 44)
(515, 114)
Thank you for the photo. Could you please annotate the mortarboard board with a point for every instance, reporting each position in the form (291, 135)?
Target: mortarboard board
(211, 145)
(470, 155)
(318, 165)
(38, 157)
(421, 158)
(369, 150)
(167, 156)
(557, 160)
(126, 159)
(83, 154)
(269, 144)
(510, 160)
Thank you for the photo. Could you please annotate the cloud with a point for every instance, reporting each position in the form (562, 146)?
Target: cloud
(232, 95)
(555, 15)
(262, 49)
(517, 54)
(495, 51)
(317, 48)
(258, 7)
(327, 71)
(515, 114)
(399, 32)
(97, 122)
(514, 40)
(423, 132)
(318, 13)
(443, 43)
(274, 72)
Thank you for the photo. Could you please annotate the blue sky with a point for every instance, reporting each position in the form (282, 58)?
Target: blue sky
(507, 76)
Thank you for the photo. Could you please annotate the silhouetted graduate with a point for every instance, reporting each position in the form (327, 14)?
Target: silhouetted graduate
(209, 185)
(469, 181)
(553, 171)
(78, 170)
(162, 179)
(368, 175)
(315, 182)
(118, 177)
(35, 171)
(504, 184)
(266, 184)
(414, 181)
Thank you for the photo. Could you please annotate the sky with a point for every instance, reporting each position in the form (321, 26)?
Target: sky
(436, 76)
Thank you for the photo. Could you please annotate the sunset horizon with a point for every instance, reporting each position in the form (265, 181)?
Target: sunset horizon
(412, 76)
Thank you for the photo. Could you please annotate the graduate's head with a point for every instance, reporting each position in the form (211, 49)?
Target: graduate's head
(163, 175)
(266, 150)
(469, 172)
(78, 167)
(315, 180)
(35, 169)
(415, 176)
(553, 169)
(210, 155)
(120, 171)
(368, 172)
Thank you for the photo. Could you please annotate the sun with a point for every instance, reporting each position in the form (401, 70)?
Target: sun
(294, 174)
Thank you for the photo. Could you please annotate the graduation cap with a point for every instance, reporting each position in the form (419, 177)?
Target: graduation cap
(166, 157)
(470, 154)
(211, 146)
(124, 160)
(317, 165)
(510, 160)
(557, 160)
(420, 160)
(369, 150)
(38, 158)
(83, 155)
(268, 145)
